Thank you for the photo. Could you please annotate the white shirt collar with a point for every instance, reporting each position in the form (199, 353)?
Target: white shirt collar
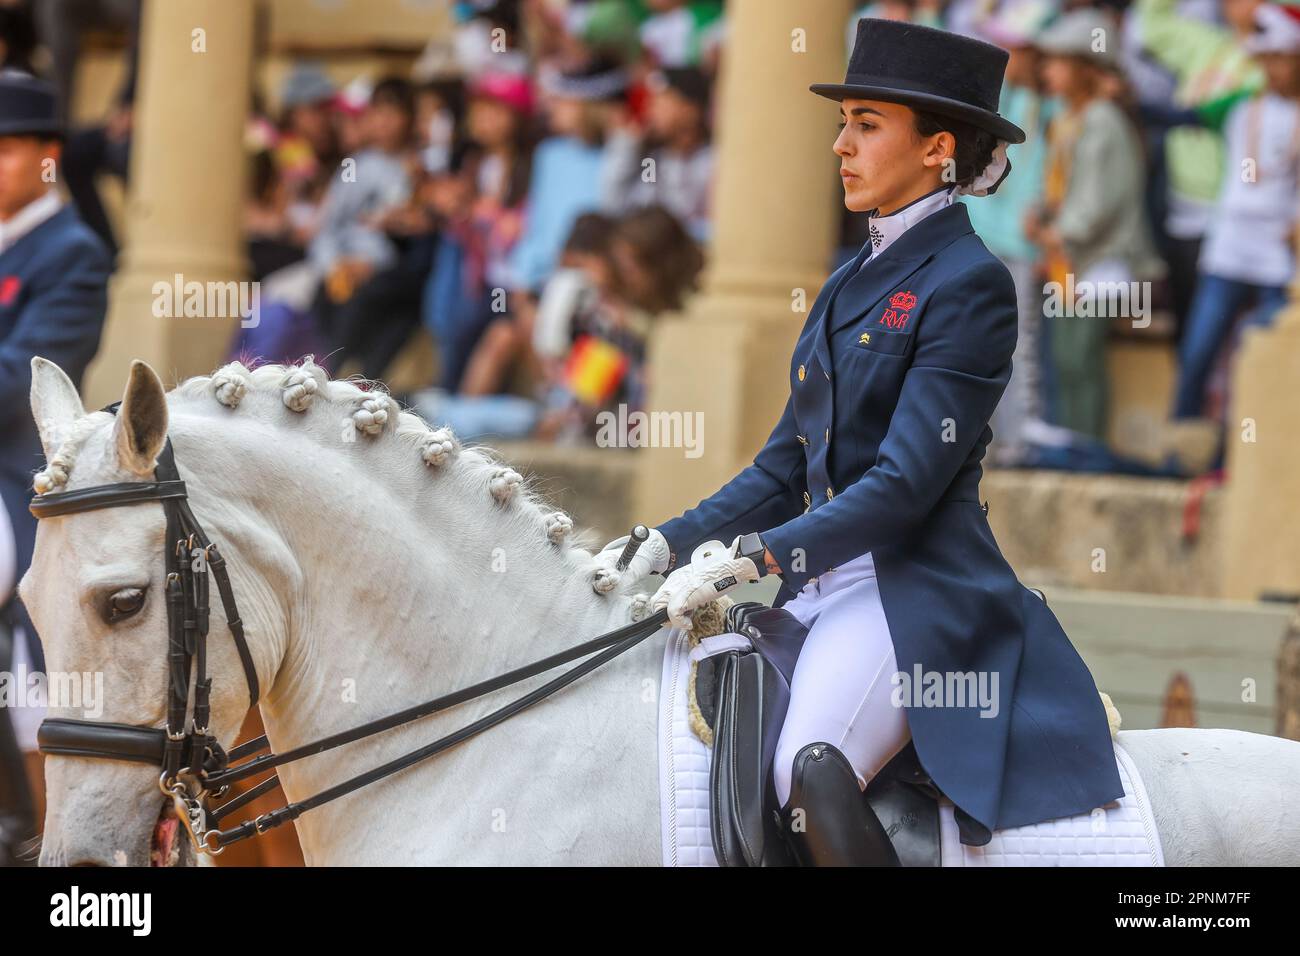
(29, 217)
(884, 230)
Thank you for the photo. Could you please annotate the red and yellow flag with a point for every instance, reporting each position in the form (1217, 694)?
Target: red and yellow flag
(594, 369)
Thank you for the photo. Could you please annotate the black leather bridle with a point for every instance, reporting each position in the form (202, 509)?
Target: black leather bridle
(195, 768)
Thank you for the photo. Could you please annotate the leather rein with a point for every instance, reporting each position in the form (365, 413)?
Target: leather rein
(195, 767)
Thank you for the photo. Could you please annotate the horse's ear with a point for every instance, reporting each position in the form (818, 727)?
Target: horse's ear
(140, 429)
(55, 403)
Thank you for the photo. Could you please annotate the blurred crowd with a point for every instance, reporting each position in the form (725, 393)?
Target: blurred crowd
(535, 213)
(535, 194)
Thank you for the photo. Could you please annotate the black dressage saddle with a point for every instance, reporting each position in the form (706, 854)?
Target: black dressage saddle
(743, 696)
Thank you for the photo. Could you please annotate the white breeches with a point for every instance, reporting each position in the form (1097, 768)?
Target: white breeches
(843, 680)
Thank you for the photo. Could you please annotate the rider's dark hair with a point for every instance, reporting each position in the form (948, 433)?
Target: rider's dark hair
(974, 145)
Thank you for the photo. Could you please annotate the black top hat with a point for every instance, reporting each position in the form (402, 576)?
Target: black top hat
(27, 106)
(929, 69)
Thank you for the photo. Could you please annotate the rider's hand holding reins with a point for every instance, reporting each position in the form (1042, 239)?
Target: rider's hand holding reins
(651, 557)
(713, 572)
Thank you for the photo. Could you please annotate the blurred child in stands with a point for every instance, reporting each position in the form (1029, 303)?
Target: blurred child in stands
(1248, 254)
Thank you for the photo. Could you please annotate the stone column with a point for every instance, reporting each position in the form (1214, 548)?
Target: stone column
(185, 202)
(1262, 504)
(777, 198)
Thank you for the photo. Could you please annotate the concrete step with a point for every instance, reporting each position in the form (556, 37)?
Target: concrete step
(1179, 661)
(1107, 532)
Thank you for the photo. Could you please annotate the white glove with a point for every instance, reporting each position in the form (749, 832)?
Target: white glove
(651, 557)
(712, 573)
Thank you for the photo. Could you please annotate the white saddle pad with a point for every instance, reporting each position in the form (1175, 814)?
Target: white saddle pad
(1121, 834)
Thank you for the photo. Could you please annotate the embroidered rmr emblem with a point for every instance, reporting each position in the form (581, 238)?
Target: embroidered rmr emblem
(900, 309)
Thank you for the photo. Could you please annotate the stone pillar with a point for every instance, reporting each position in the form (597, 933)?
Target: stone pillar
(185, 202)
(1262, 505)
(777, 198)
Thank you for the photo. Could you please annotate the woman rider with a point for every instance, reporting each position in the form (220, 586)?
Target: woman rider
(865, 499)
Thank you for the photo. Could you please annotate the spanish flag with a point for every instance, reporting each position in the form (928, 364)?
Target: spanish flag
(594, 369)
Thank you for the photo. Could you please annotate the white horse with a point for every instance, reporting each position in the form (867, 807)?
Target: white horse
(378, 563)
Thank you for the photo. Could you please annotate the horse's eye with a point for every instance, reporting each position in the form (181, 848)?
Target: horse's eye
(124, 603)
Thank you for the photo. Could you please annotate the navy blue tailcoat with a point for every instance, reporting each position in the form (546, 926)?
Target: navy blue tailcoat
(893, 382)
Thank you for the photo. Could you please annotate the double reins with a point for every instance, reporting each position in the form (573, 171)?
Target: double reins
(611, 645)
(193, 755)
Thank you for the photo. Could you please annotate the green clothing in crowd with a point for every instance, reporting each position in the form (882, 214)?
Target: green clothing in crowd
(1213, 72)
(1102, 216)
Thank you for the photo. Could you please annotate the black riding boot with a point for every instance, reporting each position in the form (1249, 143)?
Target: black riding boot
(827, 819)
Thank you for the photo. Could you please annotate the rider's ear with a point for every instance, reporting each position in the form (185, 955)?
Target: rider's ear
(140, 429)
(55, 403)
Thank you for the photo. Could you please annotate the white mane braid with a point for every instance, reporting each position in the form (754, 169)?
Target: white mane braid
(368, 414)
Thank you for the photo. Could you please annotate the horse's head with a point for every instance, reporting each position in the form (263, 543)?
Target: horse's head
(95, 591)
(338, 516)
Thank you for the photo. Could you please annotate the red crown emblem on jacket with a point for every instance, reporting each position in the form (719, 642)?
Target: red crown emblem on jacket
(9, 287)
(903, 300)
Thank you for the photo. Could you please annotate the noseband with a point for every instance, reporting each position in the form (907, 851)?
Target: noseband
(195, 768)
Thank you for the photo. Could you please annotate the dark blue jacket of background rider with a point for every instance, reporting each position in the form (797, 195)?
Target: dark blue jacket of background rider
(53, 295)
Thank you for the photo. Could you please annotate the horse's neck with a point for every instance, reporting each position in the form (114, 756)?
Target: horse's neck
(370, 607)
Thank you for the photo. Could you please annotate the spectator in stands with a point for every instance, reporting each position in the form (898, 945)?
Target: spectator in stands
(291, 163)
(103, 148)
(480, 204)
(301, 302)
(351, 245)
(927, 13)
(569, 166)
(306, 149)
(271, 242)
(349, 115)
(1000, 219)
(585, 282)
(684, 32)
(53, 294)
(640, 266)
(568, 169)
(608, 25)
(294, 159)
(487, 38)
(671, 162)
(306, 125)
(438, 108)
(591, 331)
(1212, 71)
(1092, 227)
(1248, 252)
